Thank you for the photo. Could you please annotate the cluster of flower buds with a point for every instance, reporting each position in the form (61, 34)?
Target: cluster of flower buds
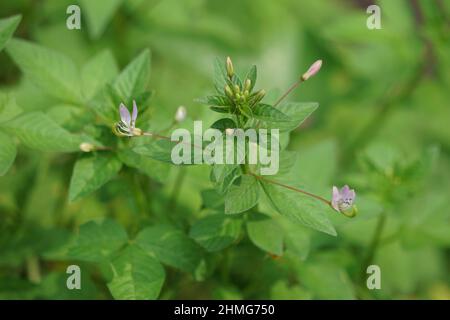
(240, 95)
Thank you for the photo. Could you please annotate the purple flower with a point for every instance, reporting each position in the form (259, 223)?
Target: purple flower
(127, 124)
(343, 201)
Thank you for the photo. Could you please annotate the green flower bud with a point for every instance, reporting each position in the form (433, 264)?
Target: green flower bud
(87, 147)
(137, 132)
(350, 212)
(230, 69)
(247, 84)
(237, 89)
(229, 92)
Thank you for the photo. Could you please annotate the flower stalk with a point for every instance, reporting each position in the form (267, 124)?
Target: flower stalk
(315, 67)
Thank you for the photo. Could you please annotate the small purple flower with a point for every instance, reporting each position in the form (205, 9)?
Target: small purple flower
(343, 201)
(127, 124)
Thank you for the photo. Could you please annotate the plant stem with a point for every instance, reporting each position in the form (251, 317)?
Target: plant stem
(33, 269)
(292, 188)
(373, 244)
(291, 88)
(158, 136)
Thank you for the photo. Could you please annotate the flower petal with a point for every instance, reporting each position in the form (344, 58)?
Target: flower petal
(124, 114)
(335, 198)
(134, 114)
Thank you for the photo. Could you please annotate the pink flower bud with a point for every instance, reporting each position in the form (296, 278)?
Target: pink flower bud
(315, 67)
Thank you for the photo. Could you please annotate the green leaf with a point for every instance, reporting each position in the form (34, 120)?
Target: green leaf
(97, 240)
(223, 124)
(136, 275)
(266, 112)
(158, 149)
(242, 196)
(265, 233)
(7, 153)
(251, 75)
(97, 72)
(326, 281)
(48, 69)
(170, 246)
(296, 239)
(212, 199)
(216, 232)
(7, 28)
(98, 14)
(223, 176)
(8, 107)
(38, 131)
(91, 172)
(132, 81)
(299, 208)
(282, 290)
(153, 168)
(297, 112)
(220, 74)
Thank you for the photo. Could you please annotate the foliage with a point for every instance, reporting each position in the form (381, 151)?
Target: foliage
(71, 192)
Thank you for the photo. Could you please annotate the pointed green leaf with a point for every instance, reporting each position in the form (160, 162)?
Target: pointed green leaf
(297, 112)
(155, 169)
(160, 150)
(97, 72)
(242, 196)
(251, 75)
(7, 28)
(7, 153)
(216, 232)
(220, 74)
(296, 238)
(170, 246)
(136, 275)
(91, 172)
(48, 69)
(266, 112)
(38, 131)
(132, 81)
(98, 14)
(300, 208)
(265, 233)
(8, 107)
(223, 176)
(97, 240)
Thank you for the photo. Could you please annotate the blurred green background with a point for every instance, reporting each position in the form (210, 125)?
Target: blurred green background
(382, 127)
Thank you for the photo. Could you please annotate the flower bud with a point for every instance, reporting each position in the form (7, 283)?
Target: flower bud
(350, 212)
(137, 132)
(230, 69)
(228, 92)
(247, 84)
(315, 67)
(87, 147)
(237, 89)
(180, 114)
